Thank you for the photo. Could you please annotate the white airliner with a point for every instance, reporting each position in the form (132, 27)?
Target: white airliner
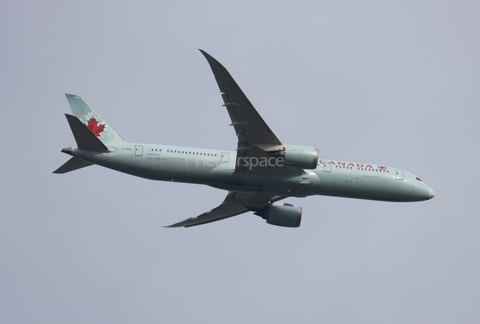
(262, 171)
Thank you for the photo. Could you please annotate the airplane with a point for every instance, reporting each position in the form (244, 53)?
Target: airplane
(262, 171)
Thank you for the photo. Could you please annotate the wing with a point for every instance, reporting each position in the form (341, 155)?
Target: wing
(254, 135)
(248, 124)
(235, 203)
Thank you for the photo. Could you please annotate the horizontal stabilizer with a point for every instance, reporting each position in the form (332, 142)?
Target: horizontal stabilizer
(84, 137)
(73, 164)
(88, 116)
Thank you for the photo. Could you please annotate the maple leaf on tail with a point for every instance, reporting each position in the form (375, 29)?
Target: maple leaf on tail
(94, 127)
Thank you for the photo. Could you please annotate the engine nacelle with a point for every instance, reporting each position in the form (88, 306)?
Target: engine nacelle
(304, 157)
(285, 215)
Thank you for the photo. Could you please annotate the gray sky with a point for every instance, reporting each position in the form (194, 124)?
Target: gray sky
(379, 82)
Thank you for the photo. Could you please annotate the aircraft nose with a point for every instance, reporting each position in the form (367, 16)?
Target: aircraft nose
(431, 194)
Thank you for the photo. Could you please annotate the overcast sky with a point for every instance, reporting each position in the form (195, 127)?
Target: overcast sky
(392, 83)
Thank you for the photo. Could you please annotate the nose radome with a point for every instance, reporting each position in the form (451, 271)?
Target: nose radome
(431, 194)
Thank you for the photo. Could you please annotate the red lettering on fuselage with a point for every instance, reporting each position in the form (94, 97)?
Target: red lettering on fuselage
(350, 164)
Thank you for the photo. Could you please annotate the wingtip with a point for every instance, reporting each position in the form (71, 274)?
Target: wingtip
(204, 53)
(163, 226)
(172, 226)
(179, 224)
(184, 223)
(211, 60)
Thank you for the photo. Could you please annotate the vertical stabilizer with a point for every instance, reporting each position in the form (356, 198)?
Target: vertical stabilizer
(92, 120)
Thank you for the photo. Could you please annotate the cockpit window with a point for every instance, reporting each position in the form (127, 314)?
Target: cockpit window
(419, 179)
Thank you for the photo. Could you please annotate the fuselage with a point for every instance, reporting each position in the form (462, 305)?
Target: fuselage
(216, 168)
(262, 171)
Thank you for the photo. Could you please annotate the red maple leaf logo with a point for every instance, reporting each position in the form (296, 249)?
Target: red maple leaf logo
(94, 127)
(382, 167)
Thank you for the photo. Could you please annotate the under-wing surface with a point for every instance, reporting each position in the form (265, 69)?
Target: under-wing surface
(261, 171)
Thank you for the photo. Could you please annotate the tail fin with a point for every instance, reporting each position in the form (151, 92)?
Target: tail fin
(86, 140)
(92, 120)
(84, 136)
(91, 132)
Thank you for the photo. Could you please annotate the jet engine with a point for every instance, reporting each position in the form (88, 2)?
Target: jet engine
(304, 157)
(279, 214)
